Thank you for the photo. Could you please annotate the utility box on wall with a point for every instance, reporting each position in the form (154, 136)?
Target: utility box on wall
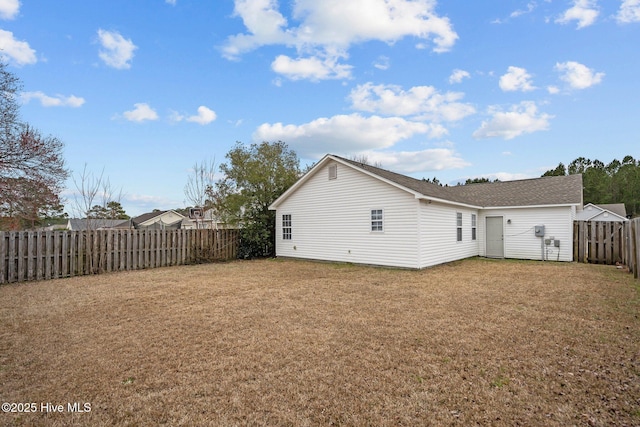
(539, 230)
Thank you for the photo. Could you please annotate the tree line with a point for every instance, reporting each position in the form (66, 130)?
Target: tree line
(616, 182)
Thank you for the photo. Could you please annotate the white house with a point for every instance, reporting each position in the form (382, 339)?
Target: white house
(615, 212)
(206, 218)
(342, 210)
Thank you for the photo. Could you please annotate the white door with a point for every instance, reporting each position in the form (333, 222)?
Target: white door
(495, 237)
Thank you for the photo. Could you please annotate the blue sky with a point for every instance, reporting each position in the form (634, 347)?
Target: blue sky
(457, 89)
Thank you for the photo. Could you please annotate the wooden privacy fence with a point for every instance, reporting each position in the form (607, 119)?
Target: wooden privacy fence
(598, 242)
(602, 242)
(632, 258)
(41, 255)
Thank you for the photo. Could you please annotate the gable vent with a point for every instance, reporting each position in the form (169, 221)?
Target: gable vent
(333, 171)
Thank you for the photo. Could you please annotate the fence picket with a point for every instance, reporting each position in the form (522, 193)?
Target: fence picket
(3, 259)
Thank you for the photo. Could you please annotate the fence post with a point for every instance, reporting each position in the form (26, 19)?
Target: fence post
(3, 257)
(636, 245)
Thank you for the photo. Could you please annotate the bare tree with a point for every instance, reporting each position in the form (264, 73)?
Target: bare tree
(364, 159)
(93, 191)
(199, 185)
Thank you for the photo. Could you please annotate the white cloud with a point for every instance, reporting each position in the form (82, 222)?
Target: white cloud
(577, 75)
(117, 51)
(137, 204)
(264, 24)
(53, 101)
(204, 116)
(629, 12)
(516, 79)
(553, 90)
(18, 52)
(423, 102)
(141, 113)
(520, 119)
(530, 8)
(339, 23)
(382, 63)
(345, 134)
(508, 176)
(171, 2)
(313, 68)
(329, 28)
(9, 9)
(458, 75)
(432, 159)
(583, 11)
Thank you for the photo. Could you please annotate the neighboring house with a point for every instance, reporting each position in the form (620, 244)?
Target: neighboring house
(342, 210)
(206, 219)
(615, 212)
(92, 223)
(160, 220)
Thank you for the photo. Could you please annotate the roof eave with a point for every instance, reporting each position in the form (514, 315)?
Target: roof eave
(448, 202)
(559, 205)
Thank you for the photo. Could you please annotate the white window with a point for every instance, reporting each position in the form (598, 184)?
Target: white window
(333, 171)
(473, 226)
(459, 226)
(286, 227)
(376, 220)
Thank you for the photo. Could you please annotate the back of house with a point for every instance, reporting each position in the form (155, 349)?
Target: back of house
(343, 210)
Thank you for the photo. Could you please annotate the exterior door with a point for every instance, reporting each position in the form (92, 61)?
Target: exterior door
(495, 237)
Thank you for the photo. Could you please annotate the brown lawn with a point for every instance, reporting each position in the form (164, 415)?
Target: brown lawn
(296, 343)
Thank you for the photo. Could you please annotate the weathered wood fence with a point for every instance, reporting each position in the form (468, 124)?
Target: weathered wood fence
(598, 242)
(41, 255)
(632, 258)
(602, 242)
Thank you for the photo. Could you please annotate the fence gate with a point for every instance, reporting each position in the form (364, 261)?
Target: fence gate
(599, 242)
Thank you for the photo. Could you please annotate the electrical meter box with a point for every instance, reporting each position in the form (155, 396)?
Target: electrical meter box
(539, 230)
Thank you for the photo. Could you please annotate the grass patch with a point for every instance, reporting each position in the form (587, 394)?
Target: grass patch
(303, 343)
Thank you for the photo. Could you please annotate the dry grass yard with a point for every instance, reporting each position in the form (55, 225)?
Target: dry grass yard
(294, 343)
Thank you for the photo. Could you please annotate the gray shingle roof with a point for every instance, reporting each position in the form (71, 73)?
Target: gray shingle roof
(93, 224)
(616, 208)
(550, 190)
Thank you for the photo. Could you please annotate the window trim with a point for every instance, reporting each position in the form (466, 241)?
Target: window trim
(458, 226)
(379, 222)
(474, 226)
(287, 227)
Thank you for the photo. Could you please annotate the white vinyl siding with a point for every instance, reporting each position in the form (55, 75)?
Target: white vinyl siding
(438, 242)
(333, 220)
(519, 239)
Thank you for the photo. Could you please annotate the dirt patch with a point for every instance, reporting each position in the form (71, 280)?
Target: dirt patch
(299, 343)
